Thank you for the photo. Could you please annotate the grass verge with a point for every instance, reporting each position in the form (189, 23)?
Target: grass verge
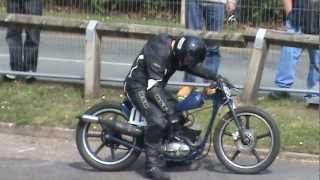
(57, 105)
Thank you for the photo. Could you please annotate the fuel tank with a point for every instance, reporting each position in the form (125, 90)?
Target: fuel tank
(193, 101)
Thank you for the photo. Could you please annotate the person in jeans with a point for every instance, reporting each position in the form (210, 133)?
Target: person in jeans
(23, 55)
(209, 14)
(289, 57)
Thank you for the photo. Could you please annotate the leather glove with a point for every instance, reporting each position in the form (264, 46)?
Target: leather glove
(211, 90)
(173, 118)
(225, 80)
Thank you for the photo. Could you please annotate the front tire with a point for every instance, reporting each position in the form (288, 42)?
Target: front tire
(99, 152)
(263, 146)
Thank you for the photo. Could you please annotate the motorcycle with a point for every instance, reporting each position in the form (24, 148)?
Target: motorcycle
(110, 136)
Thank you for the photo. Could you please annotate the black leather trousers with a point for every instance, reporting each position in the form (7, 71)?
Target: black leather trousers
(157, 125)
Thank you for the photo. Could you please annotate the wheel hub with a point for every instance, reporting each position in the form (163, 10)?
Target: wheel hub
(109, 142)
(248, 143)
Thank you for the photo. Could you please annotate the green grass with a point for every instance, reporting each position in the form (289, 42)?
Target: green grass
(57, 105)
(299, 124)
(45, 104)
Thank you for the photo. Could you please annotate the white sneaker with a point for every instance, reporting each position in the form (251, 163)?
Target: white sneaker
(312, 99)
(10, 77)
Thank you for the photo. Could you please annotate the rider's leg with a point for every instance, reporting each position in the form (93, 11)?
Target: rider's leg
(154, 132)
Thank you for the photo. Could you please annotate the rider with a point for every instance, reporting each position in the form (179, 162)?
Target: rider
(161, 56)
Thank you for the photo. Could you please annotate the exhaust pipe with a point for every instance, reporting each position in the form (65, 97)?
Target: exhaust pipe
(121, 127)
(89, 118)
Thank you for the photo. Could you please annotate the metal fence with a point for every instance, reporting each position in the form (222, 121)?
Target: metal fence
(256, 13)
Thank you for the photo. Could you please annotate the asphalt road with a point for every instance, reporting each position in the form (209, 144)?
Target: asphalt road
(63, 54)
(31, 158)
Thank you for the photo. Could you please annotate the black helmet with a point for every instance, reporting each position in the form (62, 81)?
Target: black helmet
(188, 51)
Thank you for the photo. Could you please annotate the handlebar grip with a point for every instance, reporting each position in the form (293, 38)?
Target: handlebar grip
(226, 81)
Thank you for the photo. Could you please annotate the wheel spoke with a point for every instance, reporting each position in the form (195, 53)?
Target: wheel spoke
(235, 155)
(268, 134)
(112, 153)
(99, 148)
(255, 153)
(228, 133)
(247, 122)
(122, 148)
(114, 117)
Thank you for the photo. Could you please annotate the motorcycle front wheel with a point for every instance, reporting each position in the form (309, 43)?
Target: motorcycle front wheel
(262, 141)
(96, 149)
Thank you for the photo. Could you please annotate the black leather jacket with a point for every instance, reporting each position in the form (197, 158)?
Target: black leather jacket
(153, 68)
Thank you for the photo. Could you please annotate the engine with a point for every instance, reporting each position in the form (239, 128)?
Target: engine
(177, 148)
(182, 142)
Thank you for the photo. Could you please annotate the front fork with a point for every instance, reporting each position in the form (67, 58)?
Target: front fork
(232, 109)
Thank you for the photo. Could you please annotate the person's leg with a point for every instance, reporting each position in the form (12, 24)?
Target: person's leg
(195, 21)
(314, 74)
(214, 16)
(14, 39)
(194, 18)
(313, 80)
(154, 132)
(31, 44)
(286, 67)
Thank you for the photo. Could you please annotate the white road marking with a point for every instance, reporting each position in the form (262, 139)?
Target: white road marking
(26, 150)
(72, 60)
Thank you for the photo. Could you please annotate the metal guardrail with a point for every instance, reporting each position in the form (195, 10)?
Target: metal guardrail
(118, 82)
(92, 73)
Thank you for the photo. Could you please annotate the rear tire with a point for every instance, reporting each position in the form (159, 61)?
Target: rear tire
(231, 160)
(92, 157)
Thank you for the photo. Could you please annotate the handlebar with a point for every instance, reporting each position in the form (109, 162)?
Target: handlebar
(221, 79)
(227, 82)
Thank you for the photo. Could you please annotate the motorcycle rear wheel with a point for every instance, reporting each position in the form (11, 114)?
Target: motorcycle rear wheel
(97, 150)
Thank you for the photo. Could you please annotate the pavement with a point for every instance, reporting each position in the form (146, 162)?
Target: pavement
(40, 153)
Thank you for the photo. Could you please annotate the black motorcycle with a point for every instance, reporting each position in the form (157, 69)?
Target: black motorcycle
(246, 140)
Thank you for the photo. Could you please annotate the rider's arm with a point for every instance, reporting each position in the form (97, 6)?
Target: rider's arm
(201, 71)
(156, 71)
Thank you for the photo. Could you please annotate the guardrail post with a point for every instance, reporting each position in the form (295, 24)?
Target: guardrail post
(256, 65)
(92, 61)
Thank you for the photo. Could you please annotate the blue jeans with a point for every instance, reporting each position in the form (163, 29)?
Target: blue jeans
(289, 57)
(210, 16)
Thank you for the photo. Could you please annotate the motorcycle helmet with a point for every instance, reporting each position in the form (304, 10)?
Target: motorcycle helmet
(189, 51)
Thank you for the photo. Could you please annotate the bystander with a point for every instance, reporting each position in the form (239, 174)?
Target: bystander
(207, 14)
(23, 55)
(302, 17)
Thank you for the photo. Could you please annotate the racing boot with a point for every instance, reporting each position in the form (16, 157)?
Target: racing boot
(153, 163)
(157, 174)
